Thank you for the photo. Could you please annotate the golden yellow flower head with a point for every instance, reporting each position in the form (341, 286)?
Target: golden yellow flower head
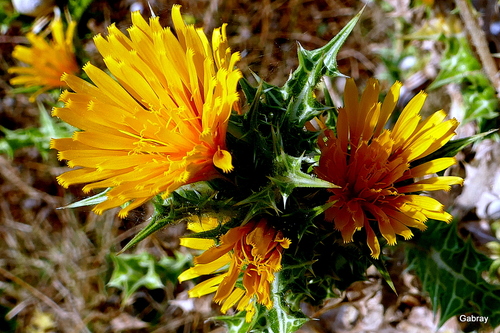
(372, 165)
(47, 60)
(158, 121)
(253, 253)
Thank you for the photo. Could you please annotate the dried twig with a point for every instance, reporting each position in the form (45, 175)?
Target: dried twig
(478, 39)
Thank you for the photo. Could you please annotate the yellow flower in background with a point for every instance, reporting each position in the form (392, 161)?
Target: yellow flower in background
(372, 165)
(47, 60)
(253, 253)
(158, 121)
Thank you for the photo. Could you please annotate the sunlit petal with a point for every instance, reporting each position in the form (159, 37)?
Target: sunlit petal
(158, 121)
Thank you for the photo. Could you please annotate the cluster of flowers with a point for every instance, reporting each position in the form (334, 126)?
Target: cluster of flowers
(158, 120)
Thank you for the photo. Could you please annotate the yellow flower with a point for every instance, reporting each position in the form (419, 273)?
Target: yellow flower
(47, 61)
(373, 166)
(253, 253)
(158, 121)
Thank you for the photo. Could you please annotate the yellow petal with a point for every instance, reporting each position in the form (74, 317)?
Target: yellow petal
(232, 299)
(197, 243)
(429, 167)
(388, 106)
(223, 160)
(408, 120)
(372, 241)
(206, 287)
(203, 269)
(423, 202)
(432, 184)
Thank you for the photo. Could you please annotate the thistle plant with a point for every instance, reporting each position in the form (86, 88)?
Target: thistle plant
(286, 197)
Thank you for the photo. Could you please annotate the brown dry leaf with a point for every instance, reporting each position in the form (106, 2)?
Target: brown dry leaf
(482, 183)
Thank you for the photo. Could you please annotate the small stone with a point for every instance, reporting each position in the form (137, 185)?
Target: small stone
(33, 7)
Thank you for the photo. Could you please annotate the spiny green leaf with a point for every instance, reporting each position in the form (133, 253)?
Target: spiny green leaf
(249, 91)
(280, 318)
(457, 63)
(312, 66)
(38, 137)
(156, 224)
(133, 271)
(260, 202)
(480, 102)
(379, 264)
(172, 267)
(288, 175)
(451, 272)
(90, 201)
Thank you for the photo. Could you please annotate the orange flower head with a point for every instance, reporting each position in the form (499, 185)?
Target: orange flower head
(158, 120)
(253, 253)
(373, 166)
(47, 60)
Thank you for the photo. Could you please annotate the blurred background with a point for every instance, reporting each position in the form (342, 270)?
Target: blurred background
(56, 265)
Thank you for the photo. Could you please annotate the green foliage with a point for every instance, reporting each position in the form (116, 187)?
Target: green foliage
(77, 8)
(7, 15)
(450, 270)
(494, 247)
(134, 271)
(280, 318)
(185, 202)
(38, 137)
(269, 142)
(289, 176)
(306, 277)
(459, 65)
(90, 201)
(312, 66)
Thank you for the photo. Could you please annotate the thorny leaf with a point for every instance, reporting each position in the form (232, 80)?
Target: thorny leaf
(450, 270)
(133, 271)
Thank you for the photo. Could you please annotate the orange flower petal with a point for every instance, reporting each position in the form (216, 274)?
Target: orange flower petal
(369, 163)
